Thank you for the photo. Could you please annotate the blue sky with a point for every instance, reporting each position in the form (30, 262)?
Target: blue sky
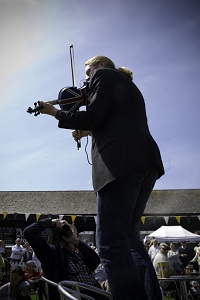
(157, 39)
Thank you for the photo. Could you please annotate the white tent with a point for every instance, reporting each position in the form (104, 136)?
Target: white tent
(173, 234)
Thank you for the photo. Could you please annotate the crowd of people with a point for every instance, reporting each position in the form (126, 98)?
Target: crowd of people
(18, 272)
(63, 256)
(178, 257)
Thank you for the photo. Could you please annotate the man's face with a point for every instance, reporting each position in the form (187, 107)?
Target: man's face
(155, 243)
(18, 242)
(27, 246)
(164, 250)
(15, 279)
(31, 267)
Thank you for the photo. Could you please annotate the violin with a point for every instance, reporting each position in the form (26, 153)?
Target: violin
(69, 98)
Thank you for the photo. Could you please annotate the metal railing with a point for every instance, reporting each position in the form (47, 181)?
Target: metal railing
(73, 290)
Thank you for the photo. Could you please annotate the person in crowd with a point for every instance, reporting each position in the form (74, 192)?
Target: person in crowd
(151, 241)
(161, 256)
(9, 291)
(146, 246)
(28, 253)
(2, 247)
(194, 290)
(197, 247)
(153, 249)
(34, 279)
(2, 268)
(184, 255)
(17, 251)
(196, 258)
(126, 163)
(64, 257)
(37, 262)
(173, 256)
(8, 251)
(23, 291)
(7, 268)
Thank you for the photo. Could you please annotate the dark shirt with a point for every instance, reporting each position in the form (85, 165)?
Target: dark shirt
(184, 259)
(27, 256)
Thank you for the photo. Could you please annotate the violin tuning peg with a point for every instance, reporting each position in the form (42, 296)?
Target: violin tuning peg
(29, 110)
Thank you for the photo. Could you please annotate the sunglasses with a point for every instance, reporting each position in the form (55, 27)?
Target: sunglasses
(164, 249)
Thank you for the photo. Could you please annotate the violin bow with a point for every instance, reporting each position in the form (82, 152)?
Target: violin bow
(71, 47)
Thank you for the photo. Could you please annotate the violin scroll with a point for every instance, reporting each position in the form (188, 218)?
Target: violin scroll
(36, 109)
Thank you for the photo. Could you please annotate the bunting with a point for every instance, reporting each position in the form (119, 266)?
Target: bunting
(154, 220)
(188, 219)
(84, 219)
(61, 217)
(15, 215)
(73, 217)
(5, 214)
(26, 216)
(166, 219)
(37, 216)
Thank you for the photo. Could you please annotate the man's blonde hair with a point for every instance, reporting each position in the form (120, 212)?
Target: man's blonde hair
(98, 59)
(126, 71)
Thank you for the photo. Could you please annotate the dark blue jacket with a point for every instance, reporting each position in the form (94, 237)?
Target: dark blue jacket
(121, 141)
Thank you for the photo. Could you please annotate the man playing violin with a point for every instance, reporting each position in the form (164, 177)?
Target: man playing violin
(126, 163)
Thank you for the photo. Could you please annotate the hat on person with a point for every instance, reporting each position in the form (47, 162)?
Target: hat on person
(23, 284)
(164, 245)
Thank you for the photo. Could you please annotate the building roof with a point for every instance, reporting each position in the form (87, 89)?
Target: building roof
(161, 202)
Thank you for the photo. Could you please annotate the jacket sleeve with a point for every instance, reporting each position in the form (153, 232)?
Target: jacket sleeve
(89, 256)
(32, 234)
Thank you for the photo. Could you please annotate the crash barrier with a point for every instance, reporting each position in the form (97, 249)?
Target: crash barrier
(73, 290)
(18, 264)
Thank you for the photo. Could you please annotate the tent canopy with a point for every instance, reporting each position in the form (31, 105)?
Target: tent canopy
(173, 234)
